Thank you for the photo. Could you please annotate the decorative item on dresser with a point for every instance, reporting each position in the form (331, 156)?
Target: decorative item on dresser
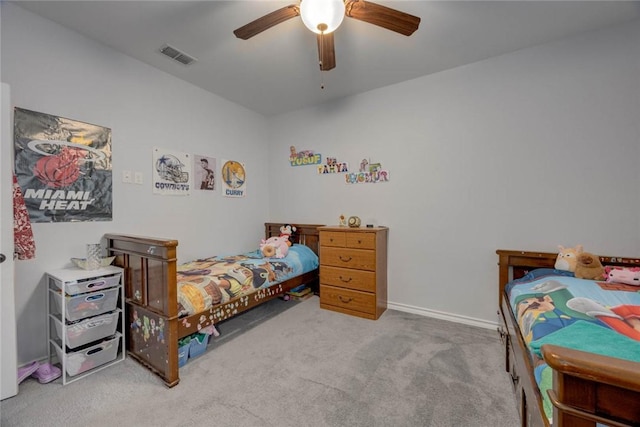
(353, 270)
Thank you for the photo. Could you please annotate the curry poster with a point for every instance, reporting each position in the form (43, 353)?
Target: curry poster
(63, 167)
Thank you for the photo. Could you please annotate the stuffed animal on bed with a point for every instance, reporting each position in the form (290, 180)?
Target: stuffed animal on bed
(589, 267)
(274, 247)
(288, 231)
(567, 258)
(624, 275)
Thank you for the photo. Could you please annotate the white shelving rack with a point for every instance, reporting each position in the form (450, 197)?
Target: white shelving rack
(85, 320)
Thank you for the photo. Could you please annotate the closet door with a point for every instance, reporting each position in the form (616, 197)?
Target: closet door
(8, 352)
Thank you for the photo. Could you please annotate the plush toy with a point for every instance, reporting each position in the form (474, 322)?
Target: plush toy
(589, 267)
(625, 275)
(568, 258)
(287, 231)
(274, 247)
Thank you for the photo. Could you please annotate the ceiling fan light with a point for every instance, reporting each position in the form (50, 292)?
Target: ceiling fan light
(322, 16)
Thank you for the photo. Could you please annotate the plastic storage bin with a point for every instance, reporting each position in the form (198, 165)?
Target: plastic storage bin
(74, 287)
(198, 344)
(79, 361)
(87, 330)
(183, 354)
(85, 305)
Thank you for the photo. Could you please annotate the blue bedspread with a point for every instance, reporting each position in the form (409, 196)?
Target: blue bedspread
(553, 307)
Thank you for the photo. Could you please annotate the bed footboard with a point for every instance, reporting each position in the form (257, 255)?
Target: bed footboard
(151, 297)
(587, 388)
(151, 301)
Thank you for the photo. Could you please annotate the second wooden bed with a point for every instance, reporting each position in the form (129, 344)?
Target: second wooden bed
(151, 292)
(587, 388)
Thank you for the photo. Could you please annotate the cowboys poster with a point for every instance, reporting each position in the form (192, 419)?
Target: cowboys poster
(63, 167)
(171, 172)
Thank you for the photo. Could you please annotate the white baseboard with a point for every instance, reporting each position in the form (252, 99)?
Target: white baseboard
(442, 315)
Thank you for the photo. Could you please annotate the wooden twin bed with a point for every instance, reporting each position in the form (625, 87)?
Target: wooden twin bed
(587, 388)
(151, 294)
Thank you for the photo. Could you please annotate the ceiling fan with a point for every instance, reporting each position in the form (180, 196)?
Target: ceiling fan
(324, 16)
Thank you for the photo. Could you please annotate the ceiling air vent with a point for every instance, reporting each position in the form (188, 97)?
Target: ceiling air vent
(176, 55)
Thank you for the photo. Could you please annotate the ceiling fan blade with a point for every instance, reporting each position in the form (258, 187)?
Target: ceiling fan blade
(267, 21)
(326, 52)
(382, 16)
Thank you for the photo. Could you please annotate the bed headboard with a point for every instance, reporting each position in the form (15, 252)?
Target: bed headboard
(515, 264)
(306, 234)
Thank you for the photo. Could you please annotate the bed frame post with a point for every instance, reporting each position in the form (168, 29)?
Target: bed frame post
(151, 301)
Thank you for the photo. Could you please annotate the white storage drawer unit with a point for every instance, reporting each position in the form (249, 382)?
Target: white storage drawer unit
(91, 329)
(73, 287)
(86, 320)
(85, 305)
(84, 359)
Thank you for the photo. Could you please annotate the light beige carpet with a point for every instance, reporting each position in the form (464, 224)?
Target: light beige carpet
(303, 366)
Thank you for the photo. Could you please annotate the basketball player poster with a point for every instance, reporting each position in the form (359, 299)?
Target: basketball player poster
(63, 167)
(233, 176)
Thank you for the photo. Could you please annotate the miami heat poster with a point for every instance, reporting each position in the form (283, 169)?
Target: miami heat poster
(63, 167)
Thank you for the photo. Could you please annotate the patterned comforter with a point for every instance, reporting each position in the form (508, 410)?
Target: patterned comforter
(206, 282)
(553, 307)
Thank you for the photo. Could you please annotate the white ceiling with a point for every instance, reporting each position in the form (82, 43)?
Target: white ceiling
(277, 70)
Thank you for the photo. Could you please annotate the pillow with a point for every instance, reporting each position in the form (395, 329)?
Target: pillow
(624, 275)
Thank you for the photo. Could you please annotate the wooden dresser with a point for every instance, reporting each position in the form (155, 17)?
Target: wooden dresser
(353, 270)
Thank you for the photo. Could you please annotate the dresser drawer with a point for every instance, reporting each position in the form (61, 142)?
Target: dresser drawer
(348, 258)
(333, 238)
(348, 278)
(361, 240)
(348, 299)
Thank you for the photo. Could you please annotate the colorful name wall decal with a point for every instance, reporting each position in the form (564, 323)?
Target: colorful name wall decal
(333, 166)
(303, 158)
(369, 173)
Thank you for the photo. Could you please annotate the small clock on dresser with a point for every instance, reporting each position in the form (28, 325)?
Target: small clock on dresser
(354, 222)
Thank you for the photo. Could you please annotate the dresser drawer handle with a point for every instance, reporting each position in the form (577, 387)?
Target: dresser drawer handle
(345, 300)
(359, 242)
(345, 281)
(345, 260)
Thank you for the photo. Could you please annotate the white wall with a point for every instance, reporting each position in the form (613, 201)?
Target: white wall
(527, 150)
(56, 71)
(523, 151)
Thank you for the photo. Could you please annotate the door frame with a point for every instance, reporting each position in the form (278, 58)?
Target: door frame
(8, 349)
